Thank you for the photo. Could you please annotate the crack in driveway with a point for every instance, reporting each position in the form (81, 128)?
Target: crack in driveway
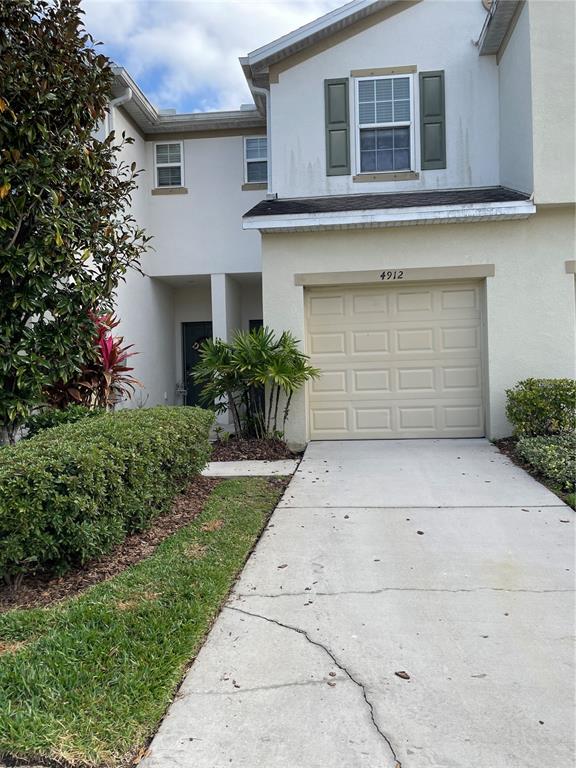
(240, 690)
(310, 593)
(328, 652)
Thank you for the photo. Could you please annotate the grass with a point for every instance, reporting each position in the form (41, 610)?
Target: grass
(88, 680)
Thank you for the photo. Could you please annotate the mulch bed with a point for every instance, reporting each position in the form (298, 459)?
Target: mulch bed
(42, 589)
(239, 449)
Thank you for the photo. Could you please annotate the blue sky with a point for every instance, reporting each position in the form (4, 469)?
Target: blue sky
(184, 53)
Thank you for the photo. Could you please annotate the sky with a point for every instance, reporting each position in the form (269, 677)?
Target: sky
(184, 53)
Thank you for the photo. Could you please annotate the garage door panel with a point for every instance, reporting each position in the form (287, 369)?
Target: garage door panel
(396, 361)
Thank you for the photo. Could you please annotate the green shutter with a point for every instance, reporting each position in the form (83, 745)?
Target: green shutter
(337, 127)
(432, 121)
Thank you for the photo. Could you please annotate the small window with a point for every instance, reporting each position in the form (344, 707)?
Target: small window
(169, 165)
(256, 160)
(385, 124)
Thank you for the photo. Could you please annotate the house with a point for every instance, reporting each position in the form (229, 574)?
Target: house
(400, 196)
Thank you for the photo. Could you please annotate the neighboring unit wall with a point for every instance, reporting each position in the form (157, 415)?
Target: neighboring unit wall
(516, 108)
(200, 232)
(529, 302)
(144, 305)
(430, 35)
(553, 59)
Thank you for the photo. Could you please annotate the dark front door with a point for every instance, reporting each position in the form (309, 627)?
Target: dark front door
(193, 334)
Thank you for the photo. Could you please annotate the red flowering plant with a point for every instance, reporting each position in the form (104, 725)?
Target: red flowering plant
(104, 380)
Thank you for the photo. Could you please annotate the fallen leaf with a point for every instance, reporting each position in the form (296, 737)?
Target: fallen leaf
(284, 565)
(403, 675)
(420, 533)
(331, 684)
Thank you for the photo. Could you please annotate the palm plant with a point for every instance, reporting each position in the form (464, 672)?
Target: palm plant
(250, 375)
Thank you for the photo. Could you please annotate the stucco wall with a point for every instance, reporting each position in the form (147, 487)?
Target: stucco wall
(553, 56)
(432, 36)
(144, 305)
(201, 232)
(516, 109)
(530, 310)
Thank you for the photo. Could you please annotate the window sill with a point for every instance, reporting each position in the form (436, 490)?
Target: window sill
(254, 185)
(398, 176)
(170, 191)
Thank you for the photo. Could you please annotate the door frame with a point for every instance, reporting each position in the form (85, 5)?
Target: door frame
(201, 325)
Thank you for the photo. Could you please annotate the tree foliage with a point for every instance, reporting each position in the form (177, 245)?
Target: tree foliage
(66, 233)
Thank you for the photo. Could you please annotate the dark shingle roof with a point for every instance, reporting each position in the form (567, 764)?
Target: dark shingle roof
(340, 203)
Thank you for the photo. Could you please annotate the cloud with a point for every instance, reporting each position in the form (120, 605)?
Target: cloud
(184, 53)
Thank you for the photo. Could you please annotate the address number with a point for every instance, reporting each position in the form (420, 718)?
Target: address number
(392, 274)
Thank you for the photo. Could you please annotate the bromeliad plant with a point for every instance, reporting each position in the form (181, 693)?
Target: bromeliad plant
(255, 376)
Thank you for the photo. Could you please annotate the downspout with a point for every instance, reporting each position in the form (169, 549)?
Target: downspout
(117, 102)
(266, 94)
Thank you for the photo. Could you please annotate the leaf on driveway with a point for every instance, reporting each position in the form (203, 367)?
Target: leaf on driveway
(403, 675)
(284, 565)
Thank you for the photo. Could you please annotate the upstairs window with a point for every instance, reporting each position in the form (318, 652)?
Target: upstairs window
(385, 124)
(169, 165)
(256, 160)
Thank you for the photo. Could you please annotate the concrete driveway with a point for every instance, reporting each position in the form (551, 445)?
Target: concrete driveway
(438, 559)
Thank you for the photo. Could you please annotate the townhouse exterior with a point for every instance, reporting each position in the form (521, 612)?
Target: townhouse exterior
(400, 196)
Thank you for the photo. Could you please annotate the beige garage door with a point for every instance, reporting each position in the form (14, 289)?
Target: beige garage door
(396, 361)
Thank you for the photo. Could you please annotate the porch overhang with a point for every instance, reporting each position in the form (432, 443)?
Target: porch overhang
(370, 211)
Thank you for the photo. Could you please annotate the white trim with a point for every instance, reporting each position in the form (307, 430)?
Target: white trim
(256, 160)
(336, 17)
(158, 165)
(391, 217)
(402, 124)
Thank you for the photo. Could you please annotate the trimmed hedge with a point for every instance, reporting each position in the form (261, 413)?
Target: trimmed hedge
(72, 492)
(55, 417)
(553, 457)
(542, 407)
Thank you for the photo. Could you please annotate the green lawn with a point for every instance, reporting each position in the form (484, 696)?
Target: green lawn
(88, 680)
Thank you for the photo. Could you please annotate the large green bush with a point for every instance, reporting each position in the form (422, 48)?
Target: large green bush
(542, 407)
(72, 492)
(55, 417)
(553, 457)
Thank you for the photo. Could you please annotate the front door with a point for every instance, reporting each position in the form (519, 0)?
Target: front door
(193, 334)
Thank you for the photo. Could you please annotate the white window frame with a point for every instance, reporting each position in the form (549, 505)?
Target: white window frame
(254, 160)
(410, 123)
(158, 165)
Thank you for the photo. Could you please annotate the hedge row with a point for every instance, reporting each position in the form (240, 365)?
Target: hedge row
(553, 457)
(74, 491)
(542, 407)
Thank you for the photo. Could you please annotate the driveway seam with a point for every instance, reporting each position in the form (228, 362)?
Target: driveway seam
(429, 506)
(340, 666)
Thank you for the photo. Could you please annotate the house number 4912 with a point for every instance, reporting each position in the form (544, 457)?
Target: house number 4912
(392, 274)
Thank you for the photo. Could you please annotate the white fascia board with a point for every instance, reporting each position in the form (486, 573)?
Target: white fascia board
(311, 29)
(392, 217)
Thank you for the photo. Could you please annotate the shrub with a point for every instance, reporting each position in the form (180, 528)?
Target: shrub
(54, 417)
(72, 492)
(249, 375)
(542, 407)
(553, 457)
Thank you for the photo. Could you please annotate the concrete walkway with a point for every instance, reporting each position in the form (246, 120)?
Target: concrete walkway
(437, 559)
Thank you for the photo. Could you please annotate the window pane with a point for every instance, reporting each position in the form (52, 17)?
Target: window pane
(401, 137)
(168, 153)
(383, 90)
(366, 90)
(384, 112)
(367, 161)
(367, 139)
(257, 171)
(366, 113)
(401, 88)
(401, 111)
(385, 138)
(170, 176)
(385, 160)
(401, 159)
(256, 149)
